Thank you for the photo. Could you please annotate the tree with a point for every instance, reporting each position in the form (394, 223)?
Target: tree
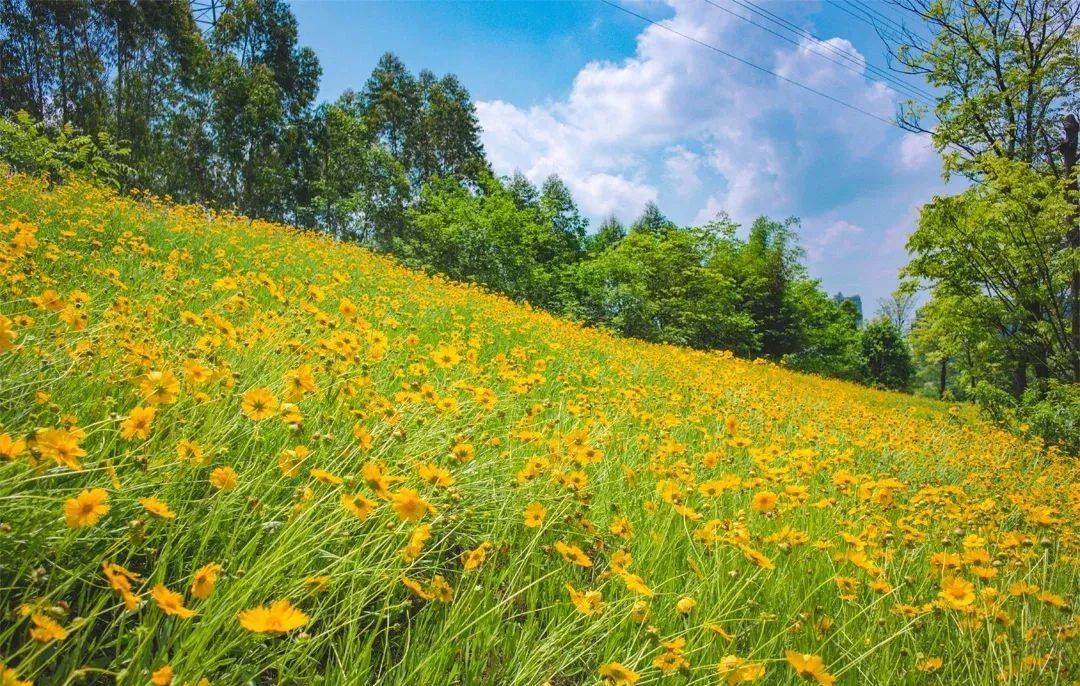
(559, 212)
(610, 232)
(658, 286)
(768, 266)
(1007, 72)
(886, 358)
(262, 87)
(429, 124)
(899, 309)
(359, 190)
(30, 147)
(998, 246)
(652, 220)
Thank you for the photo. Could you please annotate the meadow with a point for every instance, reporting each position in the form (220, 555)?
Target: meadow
(232, 452)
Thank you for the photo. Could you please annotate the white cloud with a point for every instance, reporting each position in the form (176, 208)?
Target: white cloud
(681, 170)
(837, 237)
(916, 151)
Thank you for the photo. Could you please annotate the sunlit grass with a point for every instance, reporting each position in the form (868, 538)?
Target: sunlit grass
(907, 541)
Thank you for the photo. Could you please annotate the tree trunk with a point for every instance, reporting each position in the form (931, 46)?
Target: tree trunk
(1019, 379)
(1069, 152)
(944, 377)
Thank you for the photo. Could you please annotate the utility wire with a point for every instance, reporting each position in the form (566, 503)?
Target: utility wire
(752, 65)
(862, 65)
(881, 30)
(870, 9)
(858, 60)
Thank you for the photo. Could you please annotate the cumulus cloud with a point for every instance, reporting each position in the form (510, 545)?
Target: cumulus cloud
(837, 237)
(681, 170)
(916, 151)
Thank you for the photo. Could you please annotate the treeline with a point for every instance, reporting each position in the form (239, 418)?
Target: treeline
(227, 117)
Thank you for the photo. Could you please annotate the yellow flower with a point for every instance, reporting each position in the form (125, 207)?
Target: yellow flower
(326, 477)
(61, 445)
(46, 629)
(435, 475)
(635, 584)
(357, 504)
(120, 580)
(930, 664)
(685, 604)
(764, 501)
(279, 618)
(299, 383)
(417, 588)
(587, 603)
(573, 554)
(157, 507)
(137, 424)
(87, 508)
(11, 448)
(159, 388)
(204, 580)
(170, 602)
(737, 670)
(417, 540)
(445, 357)
(162, 677)
(810, 667)
(259, 404)
(463, 452)
(363, 437)
(9, 677)
(534, 515)
(471, 559)
(189, 450)
(617, 675)
(224, 479)
(957, 593)
(7, 335)
(409, 506)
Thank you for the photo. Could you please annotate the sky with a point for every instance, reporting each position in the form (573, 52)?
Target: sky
(627, 112)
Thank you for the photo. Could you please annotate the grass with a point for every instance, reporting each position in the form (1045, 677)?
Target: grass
(903, 531)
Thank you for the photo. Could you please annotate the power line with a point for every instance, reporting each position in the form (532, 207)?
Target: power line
(870, 9)
(863, 18)
(748, 63)
(858, 64)
(856, 58)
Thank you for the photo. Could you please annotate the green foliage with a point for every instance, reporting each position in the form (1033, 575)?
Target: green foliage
(29, 146)
(658, 286)
(359, 190)
(429, 124)
(1006, 72)
(993, 257)
(481, 236)
(1050, 410)
(886, 357)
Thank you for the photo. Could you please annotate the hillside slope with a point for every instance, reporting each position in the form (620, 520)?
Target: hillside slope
(202, 416)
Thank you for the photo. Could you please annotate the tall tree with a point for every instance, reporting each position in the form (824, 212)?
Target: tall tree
(428, 123)
(263, 85)
(1007, 71)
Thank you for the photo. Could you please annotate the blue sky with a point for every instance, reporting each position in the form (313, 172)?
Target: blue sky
(626, 112)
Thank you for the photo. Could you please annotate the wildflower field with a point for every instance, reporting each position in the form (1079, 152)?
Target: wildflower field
(234, 453)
